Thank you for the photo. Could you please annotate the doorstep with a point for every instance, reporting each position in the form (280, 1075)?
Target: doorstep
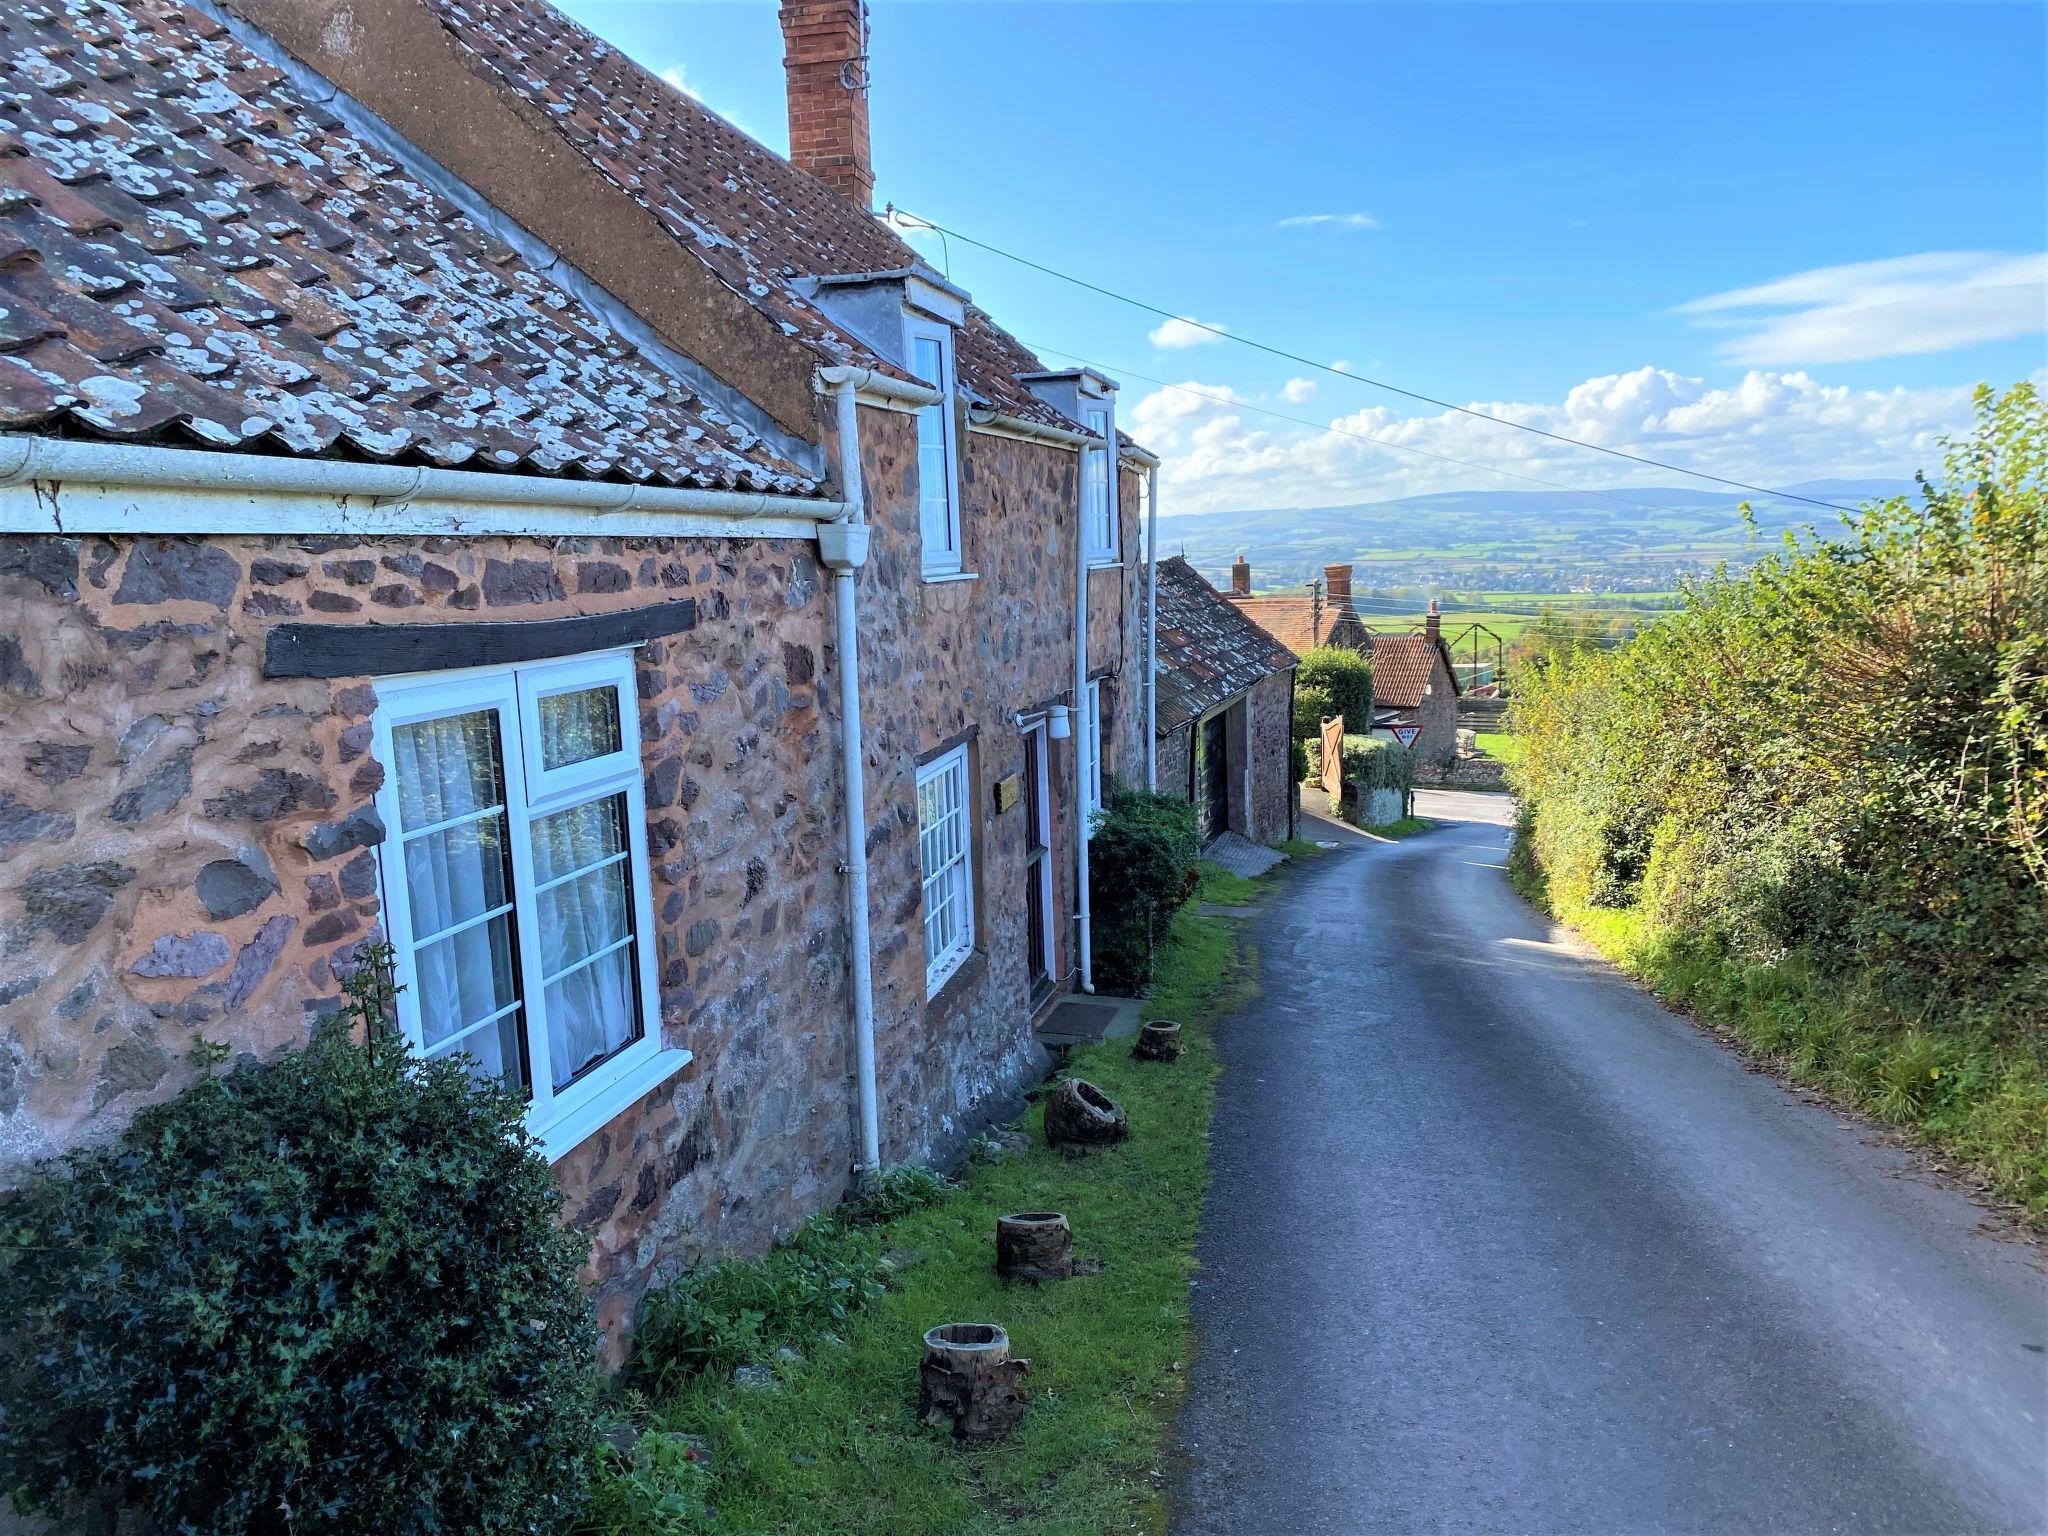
(1085, 1019)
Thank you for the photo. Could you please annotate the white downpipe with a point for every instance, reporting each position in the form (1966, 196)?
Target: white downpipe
(26, 458)
(1152, 628)
(843, 547)
(1083, 934)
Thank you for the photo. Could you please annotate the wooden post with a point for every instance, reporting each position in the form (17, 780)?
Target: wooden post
(1079, 1114)
(1035, 1246)
(1158, 1041)
(969, 1384)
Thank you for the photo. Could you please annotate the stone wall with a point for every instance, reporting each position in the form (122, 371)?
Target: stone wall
(1272, 781)
(186, 847)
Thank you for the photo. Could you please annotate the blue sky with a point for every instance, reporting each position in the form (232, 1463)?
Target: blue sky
(1778, 242)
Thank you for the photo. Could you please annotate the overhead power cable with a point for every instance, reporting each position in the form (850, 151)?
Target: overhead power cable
(1336, 431)
(1221, 333)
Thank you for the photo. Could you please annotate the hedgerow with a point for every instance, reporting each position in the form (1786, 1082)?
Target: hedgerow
(1332, 681)
(1834, 768)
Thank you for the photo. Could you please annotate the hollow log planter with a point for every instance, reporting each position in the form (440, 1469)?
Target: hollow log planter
(1079, 1114)
(1034, 1245)
(969, 1384)
(1158, 1041)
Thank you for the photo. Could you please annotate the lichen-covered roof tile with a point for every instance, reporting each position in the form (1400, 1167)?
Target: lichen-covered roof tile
(193, 253)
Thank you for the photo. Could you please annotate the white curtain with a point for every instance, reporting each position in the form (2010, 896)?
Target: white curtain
(592, 1004)
(449, 768)
(575, 727)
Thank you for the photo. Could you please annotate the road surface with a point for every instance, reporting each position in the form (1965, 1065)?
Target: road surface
(1495, 1243)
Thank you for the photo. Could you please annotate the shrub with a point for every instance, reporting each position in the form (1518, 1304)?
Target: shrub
(1141, 868)
(899, 1191)
(1332, 681)
(324, 1294)
(1373, 762)
(735, 1312)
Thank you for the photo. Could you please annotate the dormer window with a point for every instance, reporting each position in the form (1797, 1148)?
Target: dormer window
(938, 458)
(1099, 505)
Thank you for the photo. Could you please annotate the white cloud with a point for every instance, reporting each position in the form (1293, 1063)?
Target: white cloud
(1767, 428)
(1178, 334)
(674, 76)
(1342, 365)
(1330, 221)
(1296, 391)
(1869, 309)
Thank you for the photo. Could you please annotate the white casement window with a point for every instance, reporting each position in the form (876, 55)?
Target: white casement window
(1098, 506)
(945, 858)
(515, 883)
(1091, 755)
(938, 466)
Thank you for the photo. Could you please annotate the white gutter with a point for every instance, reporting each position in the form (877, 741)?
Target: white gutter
(1152, 627)
(871, 386)
(1001, 424)
(81, 487)
(843, 547)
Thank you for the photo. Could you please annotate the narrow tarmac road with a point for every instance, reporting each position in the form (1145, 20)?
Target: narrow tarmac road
(1495, 1243)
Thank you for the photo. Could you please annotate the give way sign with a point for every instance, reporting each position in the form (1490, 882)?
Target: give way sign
(1405, 734)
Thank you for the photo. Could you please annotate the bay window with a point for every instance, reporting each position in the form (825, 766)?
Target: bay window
(516, 886)
(945, 859)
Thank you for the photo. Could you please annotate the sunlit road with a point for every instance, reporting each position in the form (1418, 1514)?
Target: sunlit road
(1495, 1243)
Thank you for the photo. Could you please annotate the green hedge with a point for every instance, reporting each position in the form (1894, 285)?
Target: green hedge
(326, 1294)
(1373, 762)
(1141, 868)
(1836, 766)
(1331, 681)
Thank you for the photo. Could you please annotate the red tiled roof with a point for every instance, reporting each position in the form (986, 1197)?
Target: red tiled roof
(742, 210)
(1300, 624)
(194, 252)
(1209, 652)
(1403, 666)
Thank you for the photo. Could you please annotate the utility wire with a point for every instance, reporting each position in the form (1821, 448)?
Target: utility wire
(1344, 373)
(1364, 437)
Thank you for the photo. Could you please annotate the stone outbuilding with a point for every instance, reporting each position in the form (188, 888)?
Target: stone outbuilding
(1225, 711)
(1415, 692)
(456, 489)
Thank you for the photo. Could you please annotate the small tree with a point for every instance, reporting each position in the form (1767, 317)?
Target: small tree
(324, 1294)
(1141, 868)
(1332, 681)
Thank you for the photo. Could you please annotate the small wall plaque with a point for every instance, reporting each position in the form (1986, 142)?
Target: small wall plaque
(1009, 791)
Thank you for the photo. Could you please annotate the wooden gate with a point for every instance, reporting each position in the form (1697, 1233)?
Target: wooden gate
(1333, 758)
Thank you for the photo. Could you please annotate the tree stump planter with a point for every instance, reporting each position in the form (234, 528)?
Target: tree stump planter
(1079, 1114)
(1158, 1041)
(1035, 1246)
(969, 1384)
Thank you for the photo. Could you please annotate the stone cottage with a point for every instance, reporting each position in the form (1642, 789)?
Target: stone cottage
(1225, 710)
(1414, 684)
(454, 487)
(1415, 691)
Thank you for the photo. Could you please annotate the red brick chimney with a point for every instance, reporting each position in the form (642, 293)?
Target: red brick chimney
(1337, 582)
(1433, 625)
(825, 65)
(1241, 578)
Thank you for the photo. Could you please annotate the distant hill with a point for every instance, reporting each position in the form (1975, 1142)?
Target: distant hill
(1630, 539)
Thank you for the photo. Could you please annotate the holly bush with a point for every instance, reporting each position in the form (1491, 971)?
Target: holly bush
(322, 1294)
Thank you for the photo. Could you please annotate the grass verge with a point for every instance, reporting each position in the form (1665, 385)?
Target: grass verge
(1980, 1102)
(821, 1439)
(1407, 826)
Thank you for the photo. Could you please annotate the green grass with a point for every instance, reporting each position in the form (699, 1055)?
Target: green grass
(1977, 1100)
(1502, 746)
(1407, 826)
(834, 1449)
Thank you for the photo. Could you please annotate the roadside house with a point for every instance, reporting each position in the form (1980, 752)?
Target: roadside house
(1415, 692)
(1225, 710)
(1320, 614)
(456, 488)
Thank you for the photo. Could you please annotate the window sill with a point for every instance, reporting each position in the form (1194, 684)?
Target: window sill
(934, 578)
(608, 1103)
(965, 975)
(1110, 564)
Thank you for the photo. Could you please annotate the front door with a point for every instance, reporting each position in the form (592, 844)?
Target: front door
(1215, 775)
(1037, 867)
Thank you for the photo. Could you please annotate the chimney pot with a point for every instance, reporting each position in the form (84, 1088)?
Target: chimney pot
(825, 46)
(1337, 582)
(1433, 625)
(1241, 578)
